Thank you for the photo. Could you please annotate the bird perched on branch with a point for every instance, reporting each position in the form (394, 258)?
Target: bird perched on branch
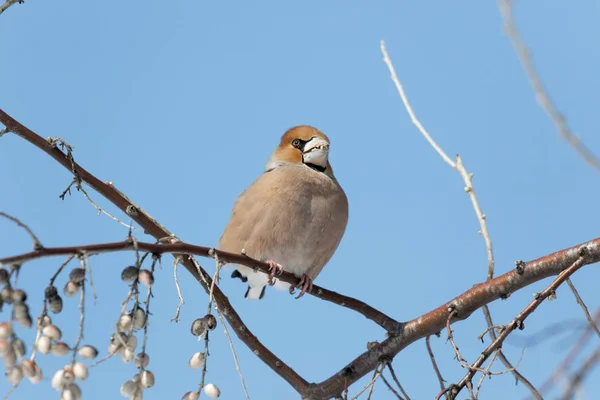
(292, 217)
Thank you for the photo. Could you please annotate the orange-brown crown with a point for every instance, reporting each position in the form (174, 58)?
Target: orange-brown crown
(287, 152)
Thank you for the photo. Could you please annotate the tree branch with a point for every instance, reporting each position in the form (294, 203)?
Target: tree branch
(465, 304)
(541, 94)
(185, 248)
(518, 321)
(7, 4)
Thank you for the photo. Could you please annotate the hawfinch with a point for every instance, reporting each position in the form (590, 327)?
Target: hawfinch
(292, 217)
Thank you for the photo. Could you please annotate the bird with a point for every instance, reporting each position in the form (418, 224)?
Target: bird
(292, 217)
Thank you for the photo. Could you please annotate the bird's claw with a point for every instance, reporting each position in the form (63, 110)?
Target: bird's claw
(305, 284)
(275, 269)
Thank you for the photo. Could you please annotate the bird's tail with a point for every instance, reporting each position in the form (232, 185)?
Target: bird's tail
(255, 292)
(256, 282)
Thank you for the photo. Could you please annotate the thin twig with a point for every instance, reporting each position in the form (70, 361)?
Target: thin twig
(36, 242)
(571, 356)
(235, 359)
(101, 210)
(3, 8)
(376, 376)
(498, 327)
(78, 181)
(176, 261)
(391, 387)
(100, 361)
(581, 373)
(435, 366)
(463, 363)
(88, 268)
(541, 94)
(391, 368)
(413, 118)
(81, 322)
(12, 389)
(583, 307)
(507, 364)
(488, 368)
(372, 387)
(215, 278)
(62, 266)
(204, 367)
(147, 311)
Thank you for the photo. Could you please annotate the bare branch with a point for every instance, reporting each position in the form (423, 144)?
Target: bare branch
(391, 388)
(581, 373)
(518, 321)
(571, 356)
(395, 378)
(413, 117)
(507, 364)
(458, 165)
(541, 95)
(7, 4)
(235, 358)
(371, 313)
(176, 262)
(376, 375)
(36, 242)
(583, 307)
(465, 304)
(435, 366)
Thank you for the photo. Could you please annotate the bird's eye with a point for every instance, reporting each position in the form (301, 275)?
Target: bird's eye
(296, 143)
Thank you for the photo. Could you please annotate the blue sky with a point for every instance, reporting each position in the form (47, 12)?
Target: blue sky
(180, 105)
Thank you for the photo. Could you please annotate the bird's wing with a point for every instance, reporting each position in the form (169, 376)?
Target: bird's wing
(265, 215)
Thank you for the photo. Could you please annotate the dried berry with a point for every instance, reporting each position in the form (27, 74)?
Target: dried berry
(197, 361)
(60, 349)
(130, 274)
(88, 352)
(18, 296)
(72, 288)
(146, 278)
(55, 304)
(147, 379)
(139, 318)
(201, 325)
(50, 292)
(77, 275)
(52, 331)
(212, 391)
(4, 276)
(142, 360)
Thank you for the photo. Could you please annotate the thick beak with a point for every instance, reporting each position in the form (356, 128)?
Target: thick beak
(315, 152)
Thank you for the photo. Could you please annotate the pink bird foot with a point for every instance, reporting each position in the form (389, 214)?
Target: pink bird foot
(305, 284)
(275, 269)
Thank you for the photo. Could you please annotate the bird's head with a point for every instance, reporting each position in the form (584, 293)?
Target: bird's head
(302, 145)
